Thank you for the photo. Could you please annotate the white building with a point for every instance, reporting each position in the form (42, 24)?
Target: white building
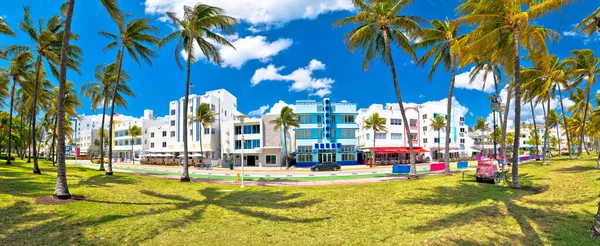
(261, 145)
(123, 144)
(86, 140)
(425, 140)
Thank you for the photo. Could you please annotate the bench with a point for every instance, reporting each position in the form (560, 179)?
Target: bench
(401, 169)
(462, 166)
(437, 166)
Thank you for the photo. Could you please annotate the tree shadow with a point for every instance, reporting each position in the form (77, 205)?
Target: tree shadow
(102, 180)
(577, 169)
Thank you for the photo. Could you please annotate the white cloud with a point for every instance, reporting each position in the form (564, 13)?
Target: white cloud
(569, 34)
(442, 102)
(302, 78)
(258, 112)
(260, 14)
(567, 103)
(462, 81)
(246, 49)
(276, 109)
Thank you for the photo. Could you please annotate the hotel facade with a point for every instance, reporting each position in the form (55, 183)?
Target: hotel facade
(327, 132)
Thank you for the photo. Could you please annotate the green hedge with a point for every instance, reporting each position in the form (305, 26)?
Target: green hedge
(4, 156)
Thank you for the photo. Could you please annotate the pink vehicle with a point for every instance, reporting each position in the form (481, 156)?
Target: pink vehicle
(488, 170)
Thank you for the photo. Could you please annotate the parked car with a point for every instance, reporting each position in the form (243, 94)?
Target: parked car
(97, 160)
(333, 166)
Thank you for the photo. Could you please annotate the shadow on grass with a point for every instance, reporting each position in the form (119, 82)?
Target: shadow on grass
(577, 169)
(101, 180)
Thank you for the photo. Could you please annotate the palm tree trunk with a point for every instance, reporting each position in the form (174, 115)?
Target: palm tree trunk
(374, 152)
(185, 176)
(202, 149)
(448, 119)
(36, 168)
(439, 142)
(62, 188)
(562, 108)
(12, 99)
(22, 138)
(504, 126)
(517, 76)
(54, 139)
(109, 171)
(546, 138)
(413, 167)
(284, 129)
(102, 136)
(535, 134)
(559, 140)
(585, 113)
(132, 155)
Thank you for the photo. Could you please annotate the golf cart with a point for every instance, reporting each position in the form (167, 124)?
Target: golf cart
(489, 170)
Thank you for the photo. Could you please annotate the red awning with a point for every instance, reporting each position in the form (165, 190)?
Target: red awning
(399, 150)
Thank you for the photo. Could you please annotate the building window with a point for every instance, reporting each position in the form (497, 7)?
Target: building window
(172, 123)
(462, 141)
(424, 116)
(206, 131)
(238, 144)
(332, 118)
(138, 141)
(164, 144)
(413, 123)
(303, 134)
(305, 149)
(172, 111)
(413, 136)
(145, 141)
(348, 118)
(425, 128)
(436, 140)
(151, 145)
(367, 136)
(238, 130)
(319, 118)
(380, 135)
(462, 118)
(425, 140)
(212, 131)
(348, 133)
(252, 129)
(333, 133)
(348, 148)
(212, 107)
(172, 134)
(396, 136)
(462, 129)
(251, 144)
(271, 159)
(304, 158)
(305, 118)
(151, 134)
(348, 157)
(191, 109)
(396, 122)
(164, 133)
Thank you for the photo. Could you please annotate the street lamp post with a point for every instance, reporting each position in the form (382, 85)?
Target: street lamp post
(241, 118)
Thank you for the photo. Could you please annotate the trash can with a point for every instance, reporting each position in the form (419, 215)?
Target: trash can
(231, 166)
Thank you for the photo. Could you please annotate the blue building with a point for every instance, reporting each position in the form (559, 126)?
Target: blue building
(327, 132)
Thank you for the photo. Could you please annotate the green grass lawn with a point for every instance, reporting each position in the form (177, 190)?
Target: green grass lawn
(438, 210)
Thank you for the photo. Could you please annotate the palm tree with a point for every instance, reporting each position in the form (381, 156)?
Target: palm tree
(377, 124)
(440, 38)
(5, 28)
(48, 44)
(590, 24)
(132, 37)
(205, 116)
(438, 124)
(19, 68)
(482, 126)
(287, 119)
(380, 26)
(503, 29)
(71, 103)
(133, 131)
(196, 28)
(583, 67)
(554, 121)
(100, 93)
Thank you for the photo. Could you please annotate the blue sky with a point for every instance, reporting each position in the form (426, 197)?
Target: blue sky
(286, 50)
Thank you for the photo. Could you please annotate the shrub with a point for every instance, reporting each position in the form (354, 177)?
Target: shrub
(4, 157)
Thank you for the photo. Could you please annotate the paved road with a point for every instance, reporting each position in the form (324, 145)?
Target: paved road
(256, 173)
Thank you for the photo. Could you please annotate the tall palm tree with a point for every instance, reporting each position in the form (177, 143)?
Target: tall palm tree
(482, 126)
(554, 121)
(590, 24)
(71, 103)
(286, 120)
(438, 124)
(134, 132)
(503, 29)
(48, 45)
(133, 37)
(379, 27)
(583, 67)
(440, 38)
(5, 28)
(377, 124)
(196, 28)
(205, 116)
(20, 66)
(100, 93)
